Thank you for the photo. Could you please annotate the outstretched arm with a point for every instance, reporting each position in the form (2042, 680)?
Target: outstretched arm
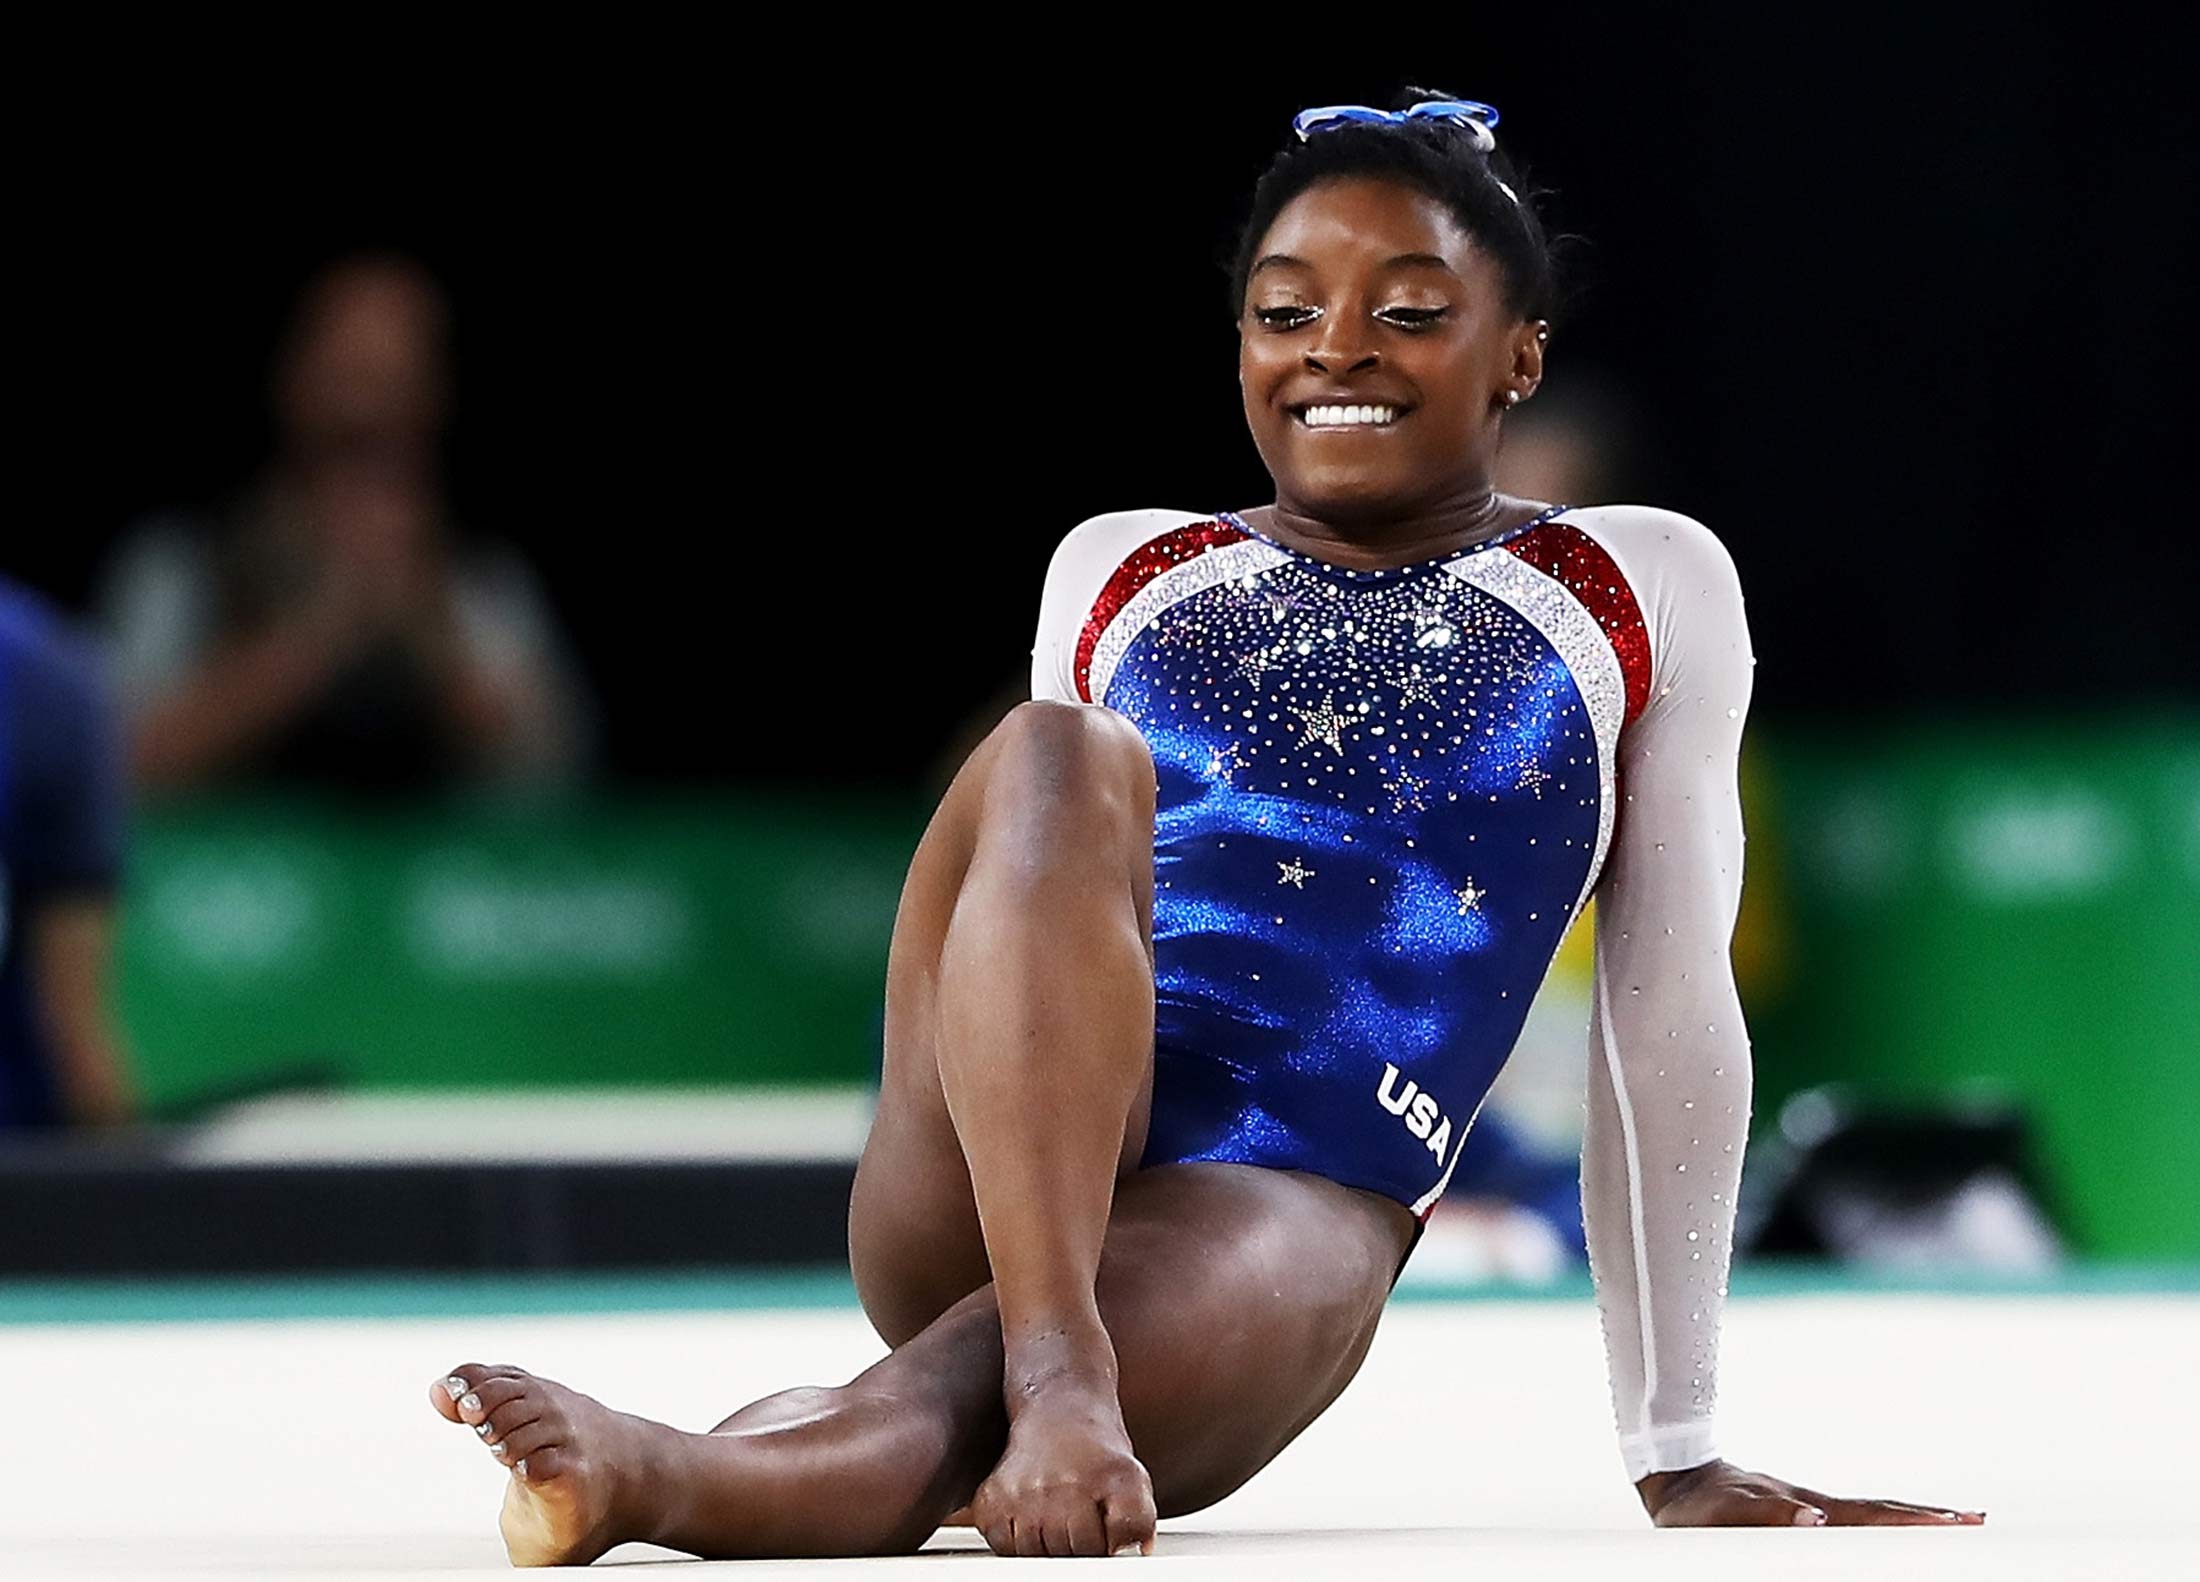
(1669, 1062)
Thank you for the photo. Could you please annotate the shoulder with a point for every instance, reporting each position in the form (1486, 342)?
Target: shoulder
(1089, 554)
(1116, 533)
(1687, 589)
(1658, 550)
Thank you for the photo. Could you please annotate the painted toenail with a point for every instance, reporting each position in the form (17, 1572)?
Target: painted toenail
(521, 1469)
(454, 1386)
(469, 1402)
(482, 1429)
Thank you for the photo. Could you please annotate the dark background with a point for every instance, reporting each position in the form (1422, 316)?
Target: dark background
(790, 381)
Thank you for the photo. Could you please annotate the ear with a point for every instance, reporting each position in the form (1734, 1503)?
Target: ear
(1527, 360)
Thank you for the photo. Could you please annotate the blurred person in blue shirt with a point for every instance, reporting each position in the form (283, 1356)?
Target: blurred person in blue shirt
(331, 628)
(62, 808)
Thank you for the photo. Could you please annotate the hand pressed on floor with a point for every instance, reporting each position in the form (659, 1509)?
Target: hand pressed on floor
(1720, 1494)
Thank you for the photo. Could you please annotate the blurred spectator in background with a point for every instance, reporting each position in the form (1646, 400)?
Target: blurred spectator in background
(328, 629)
(1571, 445)
(61, 823)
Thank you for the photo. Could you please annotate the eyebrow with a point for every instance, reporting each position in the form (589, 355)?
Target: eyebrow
(1429, 260)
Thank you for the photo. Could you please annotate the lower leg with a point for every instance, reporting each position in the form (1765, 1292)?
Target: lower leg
(1045, 1016)
(1044, 1006)
(1219, 1372)
(872, 1467)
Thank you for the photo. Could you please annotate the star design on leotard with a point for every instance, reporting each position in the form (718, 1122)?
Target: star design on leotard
(1414, 687)
(1531, 779)
(1324, 724)
(1294, 873)
(1469, 896)
(1256, 663)
(1280, 605)
(1406, 791)
(1224, 760)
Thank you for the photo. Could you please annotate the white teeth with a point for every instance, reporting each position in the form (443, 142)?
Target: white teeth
(1347, 416)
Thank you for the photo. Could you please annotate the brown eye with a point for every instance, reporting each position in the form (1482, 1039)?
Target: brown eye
(1286, 318)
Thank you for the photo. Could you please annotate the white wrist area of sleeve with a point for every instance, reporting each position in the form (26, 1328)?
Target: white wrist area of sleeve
(1674, 1449)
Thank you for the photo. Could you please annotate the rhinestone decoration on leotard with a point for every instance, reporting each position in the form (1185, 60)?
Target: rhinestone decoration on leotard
(1380, 797)
(1580, 565)
(1573, 632)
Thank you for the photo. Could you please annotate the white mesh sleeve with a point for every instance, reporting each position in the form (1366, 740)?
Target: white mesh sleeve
(1669, 1068)
(1081, 565)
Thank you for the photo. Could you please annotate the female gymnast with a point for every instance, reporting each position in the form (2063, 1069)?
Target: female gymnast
(1212, 949)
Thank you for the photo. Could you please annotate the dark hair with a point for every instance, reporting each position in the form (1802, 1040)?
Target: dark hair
(1440, 158)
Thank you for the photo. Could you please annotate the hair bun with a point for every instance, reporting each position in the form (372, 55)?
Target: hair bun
(1480, 130)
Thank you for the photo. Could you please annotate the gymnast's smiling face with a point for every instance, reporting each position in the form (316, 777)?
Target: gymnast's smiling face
(1366, 293)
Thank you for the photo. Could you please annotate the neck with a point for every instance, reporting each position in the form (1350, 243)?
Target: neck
(1369, 543)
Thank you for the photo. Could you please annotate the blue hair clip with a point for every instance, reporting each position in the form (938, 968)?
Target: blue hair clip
(1478, 118)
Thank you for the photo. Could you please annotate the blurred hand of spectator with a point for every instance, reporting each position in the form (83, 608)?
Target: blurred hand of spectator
(71, 947)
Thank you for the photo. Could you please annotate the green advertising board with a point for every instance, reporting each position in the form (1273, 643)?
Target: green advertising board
(2007, 913)
(729, 941)
(1994, 911)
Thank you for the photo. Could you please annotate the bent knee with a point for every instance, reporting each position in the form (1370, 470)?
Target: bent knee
(1080, 761)
(1090, 738)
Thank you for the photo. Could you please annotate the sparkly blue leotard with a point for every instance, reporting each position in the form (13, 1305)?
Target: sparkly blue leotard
(1378, 810)
(1382, 796)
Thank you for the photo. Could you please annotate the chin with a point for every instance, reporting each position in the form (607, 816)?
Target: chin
(1341, 496)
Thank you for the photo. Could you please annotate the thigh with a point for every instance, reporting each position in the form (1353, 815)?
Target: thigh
(1241, 1301)
(913, 1237)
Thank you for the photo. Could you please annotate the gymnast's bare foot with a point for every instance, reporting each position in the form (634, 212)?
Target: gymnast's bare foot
(1068, 1483)
(580, 1471)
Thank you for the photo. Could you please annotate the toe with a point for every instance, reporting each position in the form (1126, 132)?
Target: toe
(440, 1396)
(553, 1461)
(518, 1413)
(447, 1391)
(1087, 1530)
(527, 1441)
(492, 1396)
(1130, 1521)
(1028, 1537)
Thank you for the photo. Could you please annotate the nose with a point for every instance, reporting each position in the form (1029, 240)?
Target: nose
(1341, 347)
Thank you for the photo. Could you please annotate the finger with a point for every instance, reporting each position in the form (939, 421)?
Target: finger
(1843, 1512)
(1000, 1535)
(959, 1518)
(1891, 1513)
(1747, 1508)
